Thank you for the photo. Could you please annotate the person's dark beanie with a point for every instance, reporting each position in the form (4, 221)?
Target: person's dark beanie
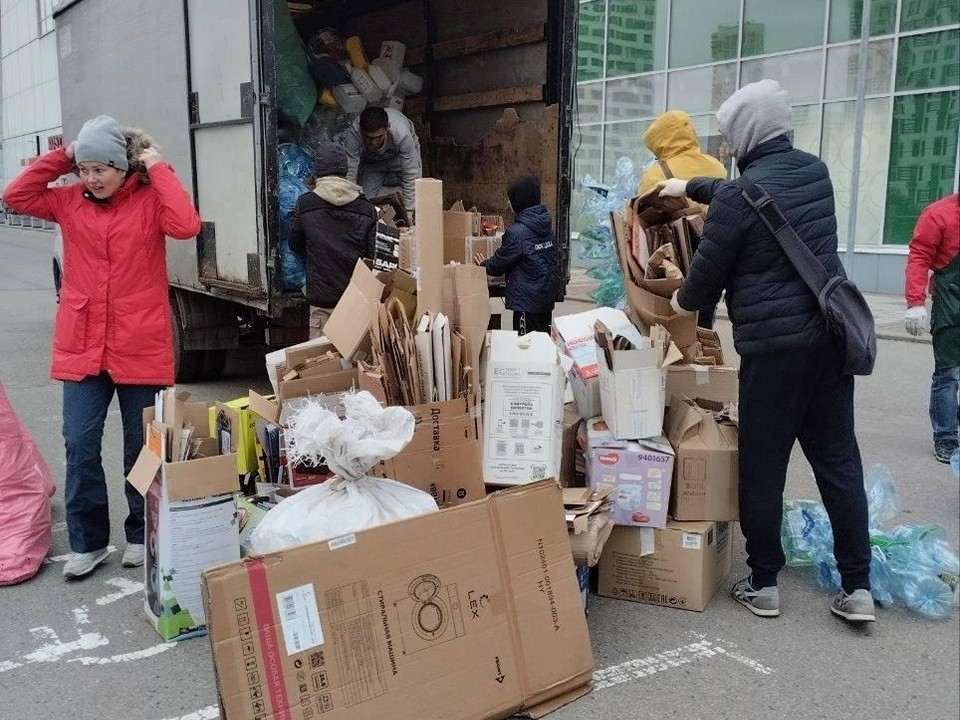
(524, 193)
(329, 159)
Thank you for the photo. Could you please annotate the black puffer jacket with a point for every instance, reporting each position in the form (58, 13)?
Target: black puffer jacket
(333, 238)
(529, 259)
(771, 308)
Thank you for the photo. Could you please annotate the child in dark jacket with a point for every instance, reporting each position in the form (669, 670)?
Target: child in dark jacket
(529, 259)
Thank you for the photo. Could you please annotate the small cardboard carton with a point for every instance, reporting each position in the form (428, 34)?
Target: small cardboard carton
(523, 413)
(445, 457)
(707, 476)
(349, 325)
(570, 449)
(638, 471)
(234, 426)
(688, 562)
(458, 225)
(632, 393)
(718, 383)
(191, 525)
(467, 613)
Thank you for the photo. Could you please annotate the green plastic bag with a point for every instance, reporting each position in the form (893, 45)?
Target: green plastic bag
(296, 93)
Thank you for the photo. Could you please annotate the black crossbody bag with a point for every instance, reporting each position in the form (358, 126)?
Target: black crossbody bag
(849, 320)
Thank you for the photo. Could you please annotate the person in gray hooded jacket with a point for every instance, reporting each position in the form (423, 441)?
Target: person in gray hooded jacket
(791, 384)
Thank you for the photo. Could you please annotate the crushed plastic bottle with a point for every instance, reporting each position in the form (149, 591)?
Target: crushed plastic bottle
(804, 528)
(881, 496)
(293, 269)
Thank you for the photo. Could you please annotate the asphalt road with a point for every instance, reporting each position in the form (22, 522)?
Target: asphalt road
(85, 651)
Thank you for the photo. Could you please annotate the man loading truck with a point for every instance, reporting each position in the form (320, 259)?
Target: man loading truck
(383, 153)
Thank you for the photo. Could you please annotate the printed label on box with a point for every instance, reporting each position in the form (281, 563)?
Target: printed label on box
(518, 430)
(300, 619)
(691, 541)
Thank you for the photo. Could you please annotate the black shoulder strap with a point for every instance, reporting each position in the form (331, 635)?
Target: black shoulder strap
(802, 257)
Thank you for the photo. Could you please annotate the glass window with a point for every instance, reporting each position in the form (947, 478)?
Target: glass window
(590, 41)
(636, 97)
(798, 73)
(45, 13)
(837, 152)
(702, 89)
(624, 140)
(842, 64)
(806, 128)
(589, 102)
(778, 25)
(636, 37)
(585, 146)
(846, 18)
(919, 14)
(711, 141)
(928, 61)
(702, 32)
(923, 151)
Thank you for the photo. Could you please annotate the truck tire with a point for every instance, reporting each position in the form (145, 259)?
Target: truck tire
(187, 364)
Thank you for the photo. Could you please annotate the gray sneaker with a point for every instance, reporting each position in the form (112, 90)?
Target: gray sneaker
(856, 607)
(764, 602)
(81, 564)
(133, 555)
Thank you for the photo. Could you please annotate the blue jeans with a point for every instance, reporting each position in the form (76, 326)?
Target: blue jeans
(944, 407)
(85, 405)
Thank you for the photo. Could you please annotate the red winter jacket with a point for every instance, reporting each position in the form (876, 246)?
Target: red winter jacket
(935, 242)
(114, 313)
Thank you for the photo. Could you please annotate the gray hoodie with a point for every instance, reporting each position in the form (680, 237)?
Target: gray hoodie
(754, 114)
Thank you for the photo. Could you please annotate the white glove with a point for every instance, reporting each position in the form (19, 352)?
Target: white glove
(672, 188)
(673, 298)
(915, 319)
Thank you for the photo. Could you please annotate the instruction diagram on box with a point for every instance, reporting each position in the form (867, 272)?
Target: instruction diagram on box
(518, 429)
(430, 614)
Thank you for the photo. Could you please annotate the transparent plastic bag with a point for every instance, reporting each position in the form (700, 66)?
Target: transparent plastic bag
(294, 162)
(293, 267)
(881, 496)
(805, 527)
(352, 500)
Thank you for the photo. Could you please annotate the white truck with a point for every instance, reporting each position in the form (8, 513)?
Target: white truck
(201, 77)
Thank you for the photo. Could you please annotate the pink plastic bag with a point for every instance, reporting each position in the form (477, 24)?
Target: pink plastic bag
(26, 486)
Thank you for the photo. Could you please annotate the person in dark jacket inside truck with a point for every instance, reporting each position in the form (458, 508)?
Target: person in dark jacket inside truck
(333, 227)
(791, 384)
(529, 259)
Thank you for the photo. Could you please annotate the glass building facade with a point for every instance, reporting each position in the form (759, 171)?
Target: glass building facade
(638, 58)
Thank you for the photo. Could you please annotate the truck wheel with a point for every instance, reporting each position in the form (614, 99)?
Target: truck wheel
(187, 364)
(213, 363)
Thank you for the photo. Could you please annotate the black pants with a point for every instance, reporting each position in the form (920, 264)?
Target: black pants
(526, 322)
(800, 396)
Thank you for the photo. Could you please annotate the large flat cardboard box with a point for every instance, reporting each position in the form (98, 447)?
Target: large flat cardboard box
(719, 383)
(429, 229)
(445, 457)
(523, 411)
(687, 565)
(707, 476)
(638, 471)
(468, 613)
(190, 526)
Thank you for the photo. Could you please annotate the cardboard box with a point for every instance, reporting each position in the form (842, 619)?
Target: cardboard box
(570, 449)
(586, 395)
(458, 225)
(349, 325)
(639, 471)
(688, 562)
(574, 335)
(523, 413)
(467, 613)
(466, 301)
(707, 476)
(190, 526)
(445, 457)
(711, 382)
(429, 214)
(632, 384)
(588, 522)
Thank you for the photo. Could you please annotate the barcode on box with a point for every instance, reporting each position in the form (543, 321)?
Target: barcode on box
(342, 541)
(299, 619)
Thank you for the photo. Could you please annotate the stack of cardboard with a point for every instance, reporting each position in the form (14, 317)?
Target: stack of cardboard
(189, 489)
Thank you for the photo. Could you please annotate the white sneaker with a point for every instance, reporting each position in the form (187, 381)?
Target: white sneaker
(81, 564)
(133, 555)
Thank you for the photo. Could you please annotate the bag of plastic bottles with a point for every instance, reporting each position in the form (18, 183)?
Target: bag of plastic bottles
(805, 527)
(293, 267)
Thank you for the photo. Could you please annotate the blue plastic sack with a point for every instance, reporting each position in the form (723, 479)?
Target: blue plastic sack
(293, 268)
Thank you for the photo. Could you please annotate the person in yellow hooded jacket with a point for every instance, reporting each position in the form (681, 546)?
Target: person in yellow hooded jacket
(673, 141)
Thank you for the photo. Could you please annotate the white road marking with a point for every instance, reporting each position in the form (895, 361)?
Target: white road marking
(54, 650)
(81, 616)
(126, 587)
(652, 664)
(125, 657)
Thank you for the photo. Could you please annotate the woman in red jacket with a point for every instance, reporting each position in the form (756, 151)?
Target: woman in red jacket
(113, 330)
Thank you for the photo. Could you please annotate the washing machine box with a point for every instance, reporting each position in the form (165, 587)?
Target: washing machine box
(468, 613)
(639, 472)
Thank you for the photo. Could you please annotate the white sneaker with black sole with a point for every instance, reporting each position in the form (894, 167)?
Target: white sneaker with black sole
(81, 564)
(857, 607)
(764, 602)
(133, 555)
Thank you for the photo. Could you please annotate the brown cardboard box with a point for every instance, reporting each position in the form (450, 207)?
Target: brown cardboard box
(706, 473)
(570, 448)
(589, 522)
(429, 214)
(468, 613)
(458, 225)
(711, 382)
(688, 562)
(445, 457)
(466, 301)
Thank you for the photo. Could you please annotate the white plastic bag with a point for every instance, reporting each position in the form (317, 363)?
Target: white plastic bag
(352, 501)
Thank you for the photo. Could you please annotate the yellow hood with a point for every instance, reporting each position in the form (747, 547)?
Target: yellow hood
(671, 138)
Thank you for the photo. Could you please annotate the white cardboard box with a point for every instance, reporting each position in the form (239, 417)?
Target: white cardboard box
(523, 413)
(574, 335)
